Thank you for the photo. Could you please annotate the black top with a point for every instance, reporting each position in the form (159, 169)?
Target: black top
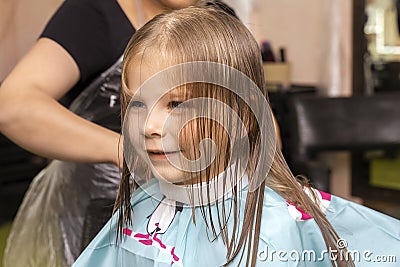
(93, 32)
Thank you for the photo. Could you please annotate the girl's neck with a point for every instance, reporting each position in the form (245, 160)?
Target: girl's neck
(202, 193)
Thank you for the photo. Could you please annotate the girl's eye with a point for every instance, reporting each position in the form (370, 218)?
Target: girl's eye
(175, 104)
(137, 104)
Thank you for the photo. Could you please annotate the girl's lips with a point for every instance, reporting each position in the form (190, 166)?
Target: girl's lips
(160, 155)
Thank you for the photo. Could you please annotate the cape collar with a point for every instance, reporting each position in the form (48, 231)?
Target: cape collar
(198, 195)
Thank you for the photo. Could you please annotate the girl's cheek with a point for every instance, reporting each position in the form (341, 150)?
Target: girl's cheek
(188, 141)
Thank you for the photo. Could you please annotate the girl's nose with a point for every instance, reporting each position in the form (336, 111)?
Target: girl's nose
(154, 125)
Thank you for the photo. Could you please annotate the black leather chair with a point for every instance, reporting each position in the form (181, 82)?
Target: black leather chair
(286, 117)
(355, 124)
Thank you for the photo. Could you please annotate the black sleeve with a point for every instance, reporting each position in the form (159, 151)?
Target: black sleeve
(79, 26)
(223, 6)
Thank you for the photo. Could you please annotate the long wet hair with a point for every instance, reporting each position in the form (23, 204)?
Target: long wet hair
(209, 34)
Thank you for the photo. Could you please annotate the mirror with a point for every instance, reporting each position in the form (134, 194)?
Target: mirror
(382, 29)
(381, 60)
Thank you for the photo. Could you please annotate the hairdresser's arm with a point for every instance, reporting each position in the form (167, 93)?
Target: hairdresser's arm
(31, 116)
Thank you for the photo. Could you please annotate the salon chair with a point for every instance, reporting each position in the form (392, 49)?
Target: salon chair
(355, 124)
(286, 116)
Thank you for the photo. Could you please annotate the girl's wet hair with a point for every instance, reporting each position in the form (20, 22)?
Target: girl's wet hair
(210, 34)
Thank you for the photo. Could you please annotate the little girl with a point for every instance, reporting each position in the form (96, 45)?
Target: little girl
(203, 183)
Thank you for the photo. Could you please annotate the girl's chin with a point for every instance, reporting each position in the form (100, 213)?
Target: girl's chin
(180, 182)
(172, 177)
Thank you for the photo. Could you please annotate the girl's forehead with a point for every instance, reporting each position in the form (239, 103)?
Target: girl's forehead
(146, 66)
(148, 82)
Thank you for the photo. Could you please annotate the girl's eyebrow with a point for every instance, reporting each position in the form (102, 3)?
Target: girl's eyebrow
(175, 95)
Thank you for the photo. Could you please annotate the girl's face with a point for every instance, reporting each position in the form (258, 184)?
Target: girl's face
(176, 4)
(163, 131)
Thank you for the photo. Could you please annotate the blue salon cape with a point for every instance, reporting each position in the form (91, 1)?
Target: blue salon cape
(372, 238)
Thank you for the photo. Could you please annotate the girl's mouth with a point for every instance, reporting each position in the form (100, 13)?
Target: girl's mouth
(161, 155)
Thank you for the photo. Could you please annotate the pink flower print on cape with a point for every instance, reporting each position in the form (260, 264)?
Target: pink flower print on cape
(154, 241)
(159, 222)
(323, 200)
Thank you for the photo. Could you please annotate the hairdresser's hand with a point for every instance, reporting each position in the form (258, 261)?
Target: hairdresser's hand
(31, 116)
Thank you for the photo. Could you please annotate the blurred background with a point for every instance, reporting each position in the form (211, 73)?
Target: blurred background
(333, 73)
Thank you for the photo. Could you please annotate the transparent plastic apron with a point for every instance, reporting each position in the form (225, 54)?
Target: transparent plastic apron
(48, 229)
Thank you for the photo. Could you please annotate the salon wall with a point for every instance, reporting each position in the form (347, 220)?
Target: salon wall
(317, 35)
(21, 21)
